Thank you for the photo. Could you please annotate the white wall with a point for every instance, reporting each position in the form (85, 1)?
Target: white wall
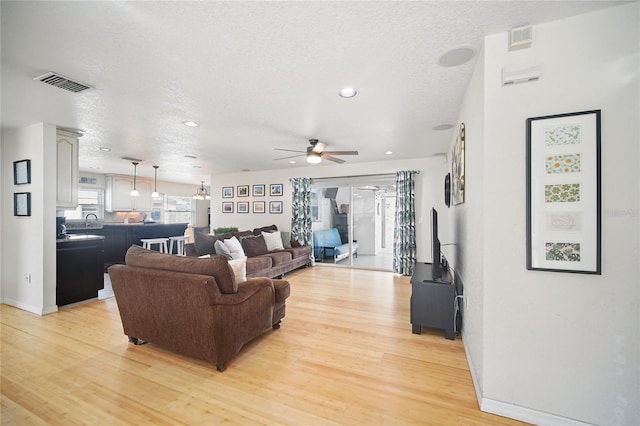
(28, 243)
(429, 190)
(557, 345)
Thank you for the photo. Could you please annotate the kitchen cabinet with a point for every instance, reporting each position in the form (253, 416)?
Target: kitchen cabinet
(79, 270)
(67, 169)
(118, 194)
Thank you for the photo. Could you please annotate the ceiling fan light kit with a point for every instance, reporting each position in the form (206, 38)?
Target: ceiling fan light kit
(315, 153)
(313, 158)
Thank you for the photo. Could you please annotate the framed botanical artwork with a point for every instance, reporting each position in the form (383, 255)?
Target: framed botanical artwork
(258, 206)
(457, 167)
(275, 189)
(242, 207)
(258, 190)
(243, 190)
(227, 192)
(275, 207)
(21, 172)
(22, 204)
(227, 207)
(563, 193)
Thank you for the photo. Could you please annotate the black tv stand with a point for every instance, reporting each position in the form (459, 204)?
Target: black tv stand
(433, 301)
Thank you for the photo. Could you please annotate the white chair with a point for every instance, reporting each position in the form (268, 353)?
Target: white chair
(180, 241)
(162, 244)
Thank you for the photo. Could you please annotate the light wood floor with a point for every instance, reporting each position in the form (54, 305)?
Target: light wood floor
(345, 355)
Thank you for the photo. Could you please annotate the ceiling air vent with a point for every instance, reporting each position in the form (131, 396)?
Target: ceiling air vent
(57, 80)
(520, 38)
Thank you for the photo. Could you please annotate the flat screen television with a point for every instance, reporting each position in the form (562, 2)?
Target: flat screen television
(436, 263)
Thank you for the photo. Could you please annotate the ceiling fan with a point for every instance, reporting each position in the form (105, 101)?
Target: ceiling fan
(316, 153)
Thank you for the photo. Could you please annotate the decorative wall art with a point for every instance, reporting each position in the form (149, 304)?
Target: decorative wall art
(21, 172)
(227, 207)
(227, 192)
(275, 189)
(258, 206)
(243, 190)
(563, 193)
(242, 207)
(275, 207)
(457, 168)
(258, 190)
(22, 204)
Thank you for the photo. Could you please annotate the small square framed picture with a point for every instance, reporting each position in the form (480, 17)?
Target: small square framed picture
(258, 206)
(275, 190)
(227, 207)
(21, 172)
(242, 207)
(258, 190)
(227, 192)
(22, 204)
(275, 207)
(243, 190)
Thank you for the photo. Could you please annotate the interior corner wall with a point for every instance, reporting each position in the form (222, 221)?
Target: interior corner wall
(563, 344)
(429, 193)
(28, 242)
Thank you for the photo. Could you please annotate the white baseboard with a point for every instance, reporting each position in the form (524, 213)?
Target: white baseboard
(515, 411)
(29, 308)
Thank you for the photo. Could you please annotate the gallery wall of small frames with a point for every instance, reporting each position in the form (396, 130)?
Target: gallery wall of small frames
(255, 206)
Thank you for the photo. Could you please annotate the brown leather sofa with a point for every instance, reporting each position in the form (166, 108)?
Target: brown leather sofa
(260, 261)
(194, 306)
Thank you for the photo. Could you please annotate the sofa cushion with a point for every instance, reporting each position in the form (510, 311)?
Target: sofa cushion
(254, 246)
(234, 247)
(301, 251)
(241, 234)
(279, 257)
(273, 240)
(239, 267)
(258, 263)
(204, 243)
(283, 290)
(270, 228)
(222, 249)
(286, 239)
(215, 266)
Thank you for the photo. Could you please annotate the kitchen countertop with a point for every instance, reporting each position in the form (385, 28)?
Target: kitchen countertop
(71, 238)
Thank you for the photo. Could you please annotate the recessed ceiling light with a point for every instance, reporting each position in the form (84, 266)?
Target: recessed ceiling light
(388, 153)
(443, 127)
(190, 123)
(348, 92)
(292, 161)
(456, 57)
(104, 149)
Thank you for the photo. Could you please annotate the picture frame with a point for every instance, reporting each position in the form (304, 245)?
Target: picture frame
(22, 204)
(458, 167)
(258, 190)
(21, 172)
(227, 207)
(563, 193)
(227, 192)
(275, 207)
(242, 207)
(275, 190)
(243, 190)
(258, 206)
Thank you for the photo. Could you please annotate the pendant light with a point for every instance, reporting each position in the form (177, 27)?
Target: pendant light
(134, 191)
(201, 193)
(155, 194)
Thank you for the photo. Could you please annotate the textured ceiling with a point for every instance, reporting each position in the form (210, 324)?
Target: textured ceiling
(255, 75)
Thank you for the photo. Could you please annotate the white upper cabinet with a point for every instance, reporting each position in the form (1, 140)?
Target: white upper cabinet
(67, 169)
(118, 194)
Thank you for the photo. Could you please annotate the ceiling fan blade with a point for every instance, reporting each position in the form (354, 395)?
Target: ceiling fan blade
(330, 158)
(319, 147)
(289, 150)
(291, 156)
(341, 152)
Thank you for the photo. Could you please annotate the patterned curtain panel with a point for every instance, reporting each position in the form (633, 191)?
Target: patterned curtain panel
(301, 211)
(404, 235)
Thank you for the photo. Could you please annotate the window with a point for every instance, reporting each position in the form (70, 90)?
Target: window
(177, 209)
(89, 201)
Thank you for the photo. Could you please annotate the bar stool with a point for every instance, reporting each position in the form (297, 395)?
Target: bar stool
(162, 244)
(179, 240)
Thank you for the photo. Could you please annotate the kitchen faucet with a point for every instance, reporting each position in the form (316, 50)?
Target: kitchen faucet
(86, 218)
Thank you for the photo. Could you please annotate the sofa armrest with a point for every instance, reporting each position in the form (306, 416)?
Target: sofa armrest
(190, 249)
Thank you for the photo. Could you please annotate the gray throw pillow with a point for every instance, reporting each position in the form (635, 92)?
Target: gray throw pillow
(222, 249)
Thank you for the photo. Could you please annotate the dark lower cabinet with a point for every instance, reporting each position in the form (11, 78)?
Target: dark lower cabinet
(79, 269)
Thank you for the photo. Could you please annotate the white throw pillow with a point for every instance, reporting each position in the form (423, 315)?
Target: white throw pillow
(234, 247)
(273, 240)
(239, 267)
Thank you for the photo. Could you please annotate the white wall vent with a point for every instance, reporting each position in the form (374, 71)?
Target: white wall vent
(57, 80)
(520, 38)
(520, 76)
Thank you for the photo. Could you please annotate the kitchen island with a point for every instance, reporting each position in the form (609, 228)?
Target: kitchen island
(79, 268)
(118, 237)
